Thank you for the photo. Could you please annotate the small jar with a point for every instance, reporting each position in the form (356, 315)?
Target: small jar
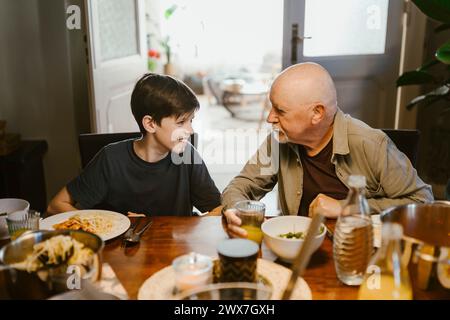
(192, 270)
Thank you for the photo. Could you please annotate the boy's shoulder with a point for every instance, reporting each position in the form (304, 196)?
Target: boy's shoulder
(117, 149)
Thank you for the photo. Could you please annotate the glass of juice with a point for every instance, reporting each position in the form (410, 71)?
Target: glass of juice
(19, 225)
(252, 215)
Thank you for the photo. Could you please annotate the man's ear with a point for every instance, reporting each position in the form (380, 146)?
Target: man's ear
(318, 114)
(149, 124)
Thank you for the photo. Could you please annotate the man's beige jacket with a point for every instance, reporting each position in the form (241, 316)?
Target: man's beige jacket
(357, 149)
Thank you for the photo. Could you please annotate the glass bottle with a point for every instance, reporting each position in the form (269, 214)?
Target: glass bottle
(353, 236)
(386, 277)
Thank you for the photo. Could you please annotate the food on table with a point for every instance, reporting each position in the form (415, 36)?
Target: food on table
(297, 235)
(292, 235)
(57, 251)
(97, 223)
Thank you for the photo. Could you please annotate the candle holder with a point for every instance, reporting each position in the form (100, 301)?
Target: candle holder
(192, 271)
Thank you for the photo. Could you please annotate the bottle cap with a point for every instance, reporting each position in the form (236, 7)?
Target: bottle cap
(391, 231)
(357, 181)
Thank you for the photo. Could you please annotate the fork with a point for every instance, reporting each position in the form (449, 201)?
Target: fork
(135, 237)
(130, 231)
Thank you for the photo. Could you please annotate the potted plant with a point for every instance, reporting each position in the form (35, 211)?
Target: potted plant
(160, 42)
(153, 57)
(166, 44)
(436, 72)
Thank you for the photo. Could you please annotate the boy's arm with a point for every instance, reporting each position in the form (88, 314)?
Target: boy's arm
(86, 190)
(62, 202)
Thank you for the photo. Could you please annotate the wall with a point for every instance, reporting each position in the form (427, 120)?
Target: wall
(413, 57)
(433, 123)
(37, 83)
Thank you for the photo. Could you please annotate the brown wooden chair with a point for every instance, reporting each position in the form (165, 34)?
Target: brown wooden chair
(91, 143)
(407, 141)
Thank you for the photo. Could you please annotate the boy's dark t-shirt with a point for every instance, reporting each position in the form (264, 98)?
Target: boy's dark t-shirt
(117, 179)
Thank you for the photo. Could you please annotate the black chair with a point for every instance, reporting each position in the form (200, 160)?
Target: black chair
(91, 143)
(407, 141)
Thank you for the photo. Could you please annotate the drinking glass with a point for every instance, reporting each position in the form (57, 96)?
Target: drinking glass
(19, 225)
(251, 214)
(228, 291)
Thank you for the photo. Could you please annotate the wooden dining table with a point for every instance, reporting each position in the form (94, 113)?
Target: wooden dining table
(170, 237)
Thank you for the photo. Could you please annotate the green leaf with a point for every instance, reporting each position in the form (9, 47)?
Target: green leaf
(426, 101)
(431, 97)
(414, 77)
(428, 65)
(169, 11)
(435, 9)
(443, 53)
(442, 27)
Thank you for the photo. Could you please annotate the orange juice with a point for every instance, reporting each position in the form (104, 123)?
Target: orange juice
(254, 233)
(386, 289)
(17, 233)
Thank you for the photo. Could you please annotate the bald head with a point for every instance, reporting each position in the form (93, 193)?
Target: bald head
(306, 83)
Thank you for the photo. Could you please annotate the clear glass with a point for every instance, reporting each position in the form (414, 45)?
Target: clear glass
(29, 222)
(386, 278)
(229, 291)
(345, 27)
(353, 238)
(252, 215)
(192, 270)
(117, 28)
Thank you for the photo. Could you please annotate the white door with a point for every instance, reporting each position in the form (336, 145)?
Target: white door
(117, 58)
(358, 42)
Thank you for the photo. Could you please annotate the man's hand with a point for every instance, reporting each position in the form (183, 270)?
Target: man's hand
(232, 224)
(325, 205)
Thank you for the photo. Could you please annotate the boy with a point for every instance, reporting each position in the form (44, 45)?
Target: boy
(146, 175)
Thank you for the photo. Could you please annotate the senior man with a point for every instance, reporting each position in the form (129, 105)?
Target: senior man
(319, 148)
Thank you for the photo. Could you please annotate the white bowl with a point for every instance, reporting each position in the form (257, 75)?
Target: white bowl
(18, 207)
(287, 249)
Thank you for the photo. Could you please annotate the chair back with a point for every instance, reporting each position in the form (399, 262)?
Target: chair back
(91, 143)
(407, 141)
(214, 88)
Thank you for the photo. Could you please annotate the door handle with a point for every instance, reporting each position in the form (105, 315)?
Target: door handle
(295, 40)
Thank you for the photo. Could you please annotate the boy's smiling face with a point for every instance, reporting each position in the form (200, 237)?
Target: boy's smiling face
(173, 132)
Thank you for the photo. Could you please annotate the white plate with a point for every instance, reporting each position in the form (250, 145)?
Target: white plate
(120, 222)
(160, 285)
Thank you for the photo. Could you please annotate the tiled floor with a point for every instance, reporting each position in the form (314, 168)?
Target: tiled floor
(226, 143)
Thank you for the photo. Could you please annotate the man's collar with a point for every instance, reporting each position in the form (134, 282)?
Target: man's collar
(340, 137)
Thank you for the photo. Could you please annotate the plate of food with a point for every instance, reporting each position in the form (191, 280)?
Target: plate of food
(105, 224)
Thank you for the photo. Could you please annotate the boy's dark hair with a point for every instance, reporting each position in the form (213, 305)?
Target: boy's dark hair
(161, 96)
